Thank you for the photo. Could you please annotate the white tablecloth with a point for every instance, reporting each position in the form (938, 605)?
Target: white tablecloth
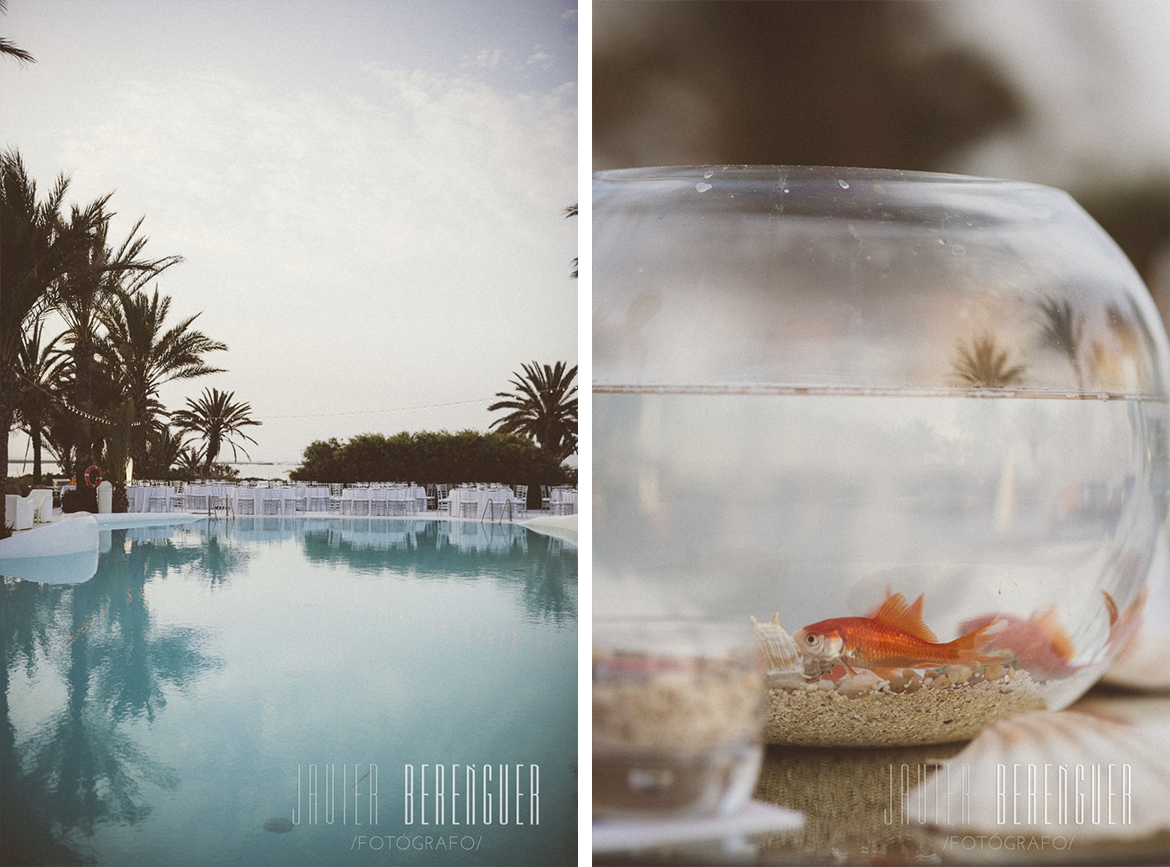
(277, 500)
(563, 501)
(150, 498)
(401, 500)
(480, 502)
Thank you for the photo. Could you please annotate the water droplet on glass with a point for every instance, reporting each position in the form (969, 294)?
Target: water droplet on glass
(708, 173)
(958, 249)
(702, 187)
(842, 184)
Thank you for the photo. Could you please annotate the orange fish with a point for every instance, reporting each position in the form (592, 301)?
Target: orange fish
(893, 638)
(1041, 645)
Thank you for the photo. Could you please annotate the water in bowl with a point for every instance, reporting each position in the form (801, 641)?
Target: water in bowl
(820, 503)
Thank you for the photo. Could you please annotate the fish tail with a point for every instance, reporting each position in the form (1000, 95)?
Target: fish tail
(969, 647)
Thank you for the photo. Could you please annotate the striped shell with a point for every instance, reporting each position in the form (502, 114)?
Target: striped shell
(782, 658)
(1030, 773)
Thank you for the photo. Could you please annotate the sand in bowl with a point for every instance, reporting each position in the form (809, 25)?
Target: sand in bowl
(930, 707)
(676, 718)
(815, 703)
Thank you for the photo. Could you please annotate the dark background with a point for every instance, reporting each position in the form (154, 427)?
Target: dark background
(1071, 93)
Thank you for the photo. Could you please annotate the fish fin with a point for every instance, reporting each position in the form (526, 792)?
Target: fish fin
(1112, 606)
(896, 612)
(1048, 623)
(969, 647)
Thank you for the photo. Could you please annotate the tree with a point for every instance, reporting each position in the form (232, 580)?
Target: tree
(542, 408)
(8, 47)
(87, 292)
(39, 248)
(984, 365)
(39, 372)
(143, 355)
(217, 419)
(571, 211)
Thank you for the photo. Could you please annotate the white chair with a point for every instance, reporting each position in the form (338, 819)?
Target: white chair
(18, 511)
(161, 499)
(218, 497)
(317, 498)
(469, 504)
(520, 501)
(359, 501)
(273, 501)
(379, 501)
(42, 505)
(564, 501)
(196, 498)
(245, 501)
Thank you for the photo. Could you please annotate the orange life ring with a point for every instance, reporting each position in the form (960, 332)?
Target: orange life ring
(90, 473)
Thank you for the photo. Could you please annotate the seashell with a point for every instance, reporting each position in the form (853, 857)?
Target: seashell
(1043, 773)
(782, 658)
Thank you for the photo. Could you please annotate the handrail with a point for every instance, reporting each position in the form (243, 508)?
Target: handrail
(491, 505)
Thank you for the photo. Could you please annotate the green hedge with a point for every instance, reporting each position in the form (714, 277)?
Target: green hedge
(426, 457)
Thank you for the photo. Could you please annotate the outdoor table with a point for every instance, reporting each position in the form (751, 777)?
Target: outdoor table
(563, 501)
(474, 502)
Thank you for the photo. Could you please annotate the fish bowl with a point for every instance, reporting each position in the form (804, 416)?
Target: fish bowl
(914, 427)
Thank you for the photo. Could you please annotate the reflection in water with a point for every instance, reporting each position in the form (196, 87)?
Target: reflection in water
(449, 550)
(122, 697)
(79, 768)
(985, 366)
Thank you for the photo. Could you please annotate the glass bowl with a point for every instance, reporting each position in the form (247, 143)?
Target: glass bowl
(678, 714)
(915, 424)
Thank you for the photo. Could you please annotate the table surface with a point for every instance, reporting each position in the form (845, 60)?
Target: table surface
(845, 793)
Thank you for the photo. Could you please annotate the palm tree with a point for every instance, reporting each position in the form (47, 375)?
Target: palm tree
(571, 211)
(542, 408)
(39, 248)
(984, 366)
(86, 295)
(143, 355)
(1062, 329)
(217, 419)
(164, 448)
(40, 372)
(7, 46)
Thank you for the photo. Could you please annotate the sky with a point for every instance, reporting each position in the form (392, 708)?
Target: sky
(369, 196)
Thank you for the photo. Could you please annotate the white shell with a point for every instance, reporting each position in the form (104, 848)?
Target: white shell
(782, 659)
(1045, 773)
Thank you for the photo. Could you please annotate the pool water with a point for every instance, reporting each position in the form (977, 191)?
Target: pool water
(295, 691)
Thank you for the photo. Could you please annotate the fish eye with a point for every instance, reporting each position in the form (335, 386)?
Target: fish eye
(811, 639)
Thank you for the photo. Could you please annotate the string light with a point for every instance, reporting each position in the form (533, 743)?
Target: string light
(64, 403)
(101, 420)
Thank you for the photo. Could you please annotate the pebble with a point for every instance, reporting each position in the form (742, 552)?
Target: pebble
(958, 673)
(940, 682)
(993, 672)
(859, 684)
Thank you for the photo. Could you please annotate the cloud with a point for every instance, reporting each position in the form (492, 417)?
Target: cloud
(540, 58)
(398, 244)
(487, 58)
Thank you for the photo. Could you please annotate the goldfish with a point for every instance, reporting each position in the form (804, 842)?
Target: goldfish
(1042, 646)
(895, 637)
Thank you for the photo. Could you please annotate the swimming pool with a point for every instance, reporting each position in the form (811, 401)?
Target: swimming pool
(295, 691)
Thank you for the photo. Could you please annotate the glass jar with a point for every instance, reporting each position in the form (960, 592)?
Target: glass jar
(915, 424)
